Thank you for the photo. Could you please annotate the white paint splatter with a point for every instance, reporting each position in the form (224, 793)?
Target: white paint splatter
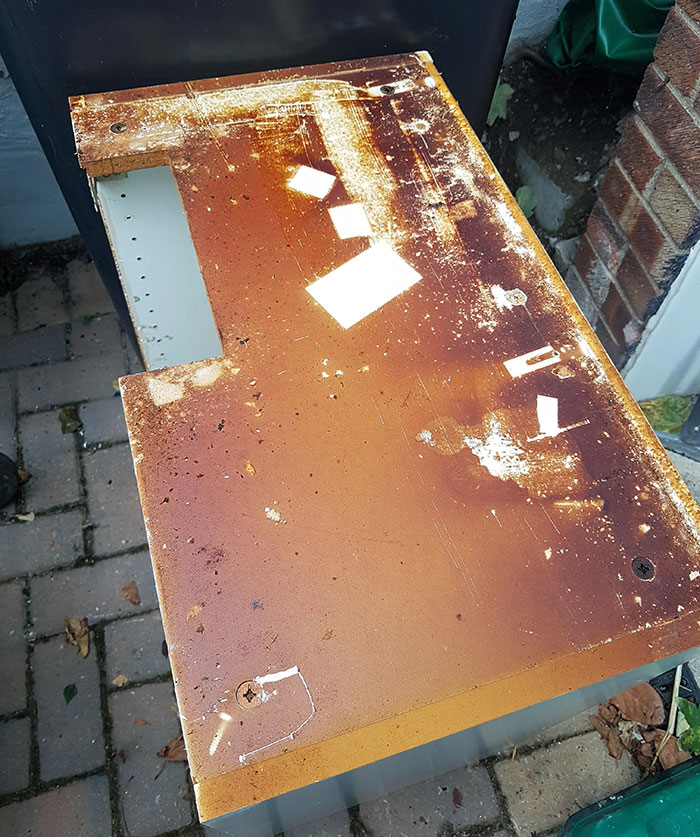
(426, 437)
(273, 515)
(498, 453)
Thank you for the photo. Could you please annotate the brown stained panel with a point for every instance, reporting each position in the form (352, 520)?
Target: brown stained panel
(379, 518)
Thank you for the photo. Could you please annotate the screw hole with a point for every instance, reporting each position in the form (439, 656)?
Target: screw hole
(386, 89)
(117, 127)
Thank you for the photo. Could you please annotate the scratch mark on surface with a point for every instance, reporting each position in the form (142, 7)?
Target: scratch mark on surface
(275, 677)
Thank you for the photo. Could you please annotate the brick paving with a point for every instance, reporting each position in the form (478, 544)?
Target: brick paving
(84, 762)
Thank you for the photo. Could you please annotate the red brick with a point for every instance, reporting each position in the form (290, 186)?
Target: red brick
(616, 314)
(615, 191)
(636, 155)
(606, 237)
(651, 245)
(592, 271)
(678, 53)
(634, 284)
(676, 211)
(691, 8)
(671, 126)
(615, 352)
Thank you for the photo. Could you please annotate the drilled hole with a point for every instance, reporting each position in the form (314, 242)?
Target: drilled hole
(117, 127)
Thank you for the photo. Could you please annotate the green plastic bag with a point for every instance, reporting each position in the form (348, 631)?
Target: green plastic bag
(617, 34)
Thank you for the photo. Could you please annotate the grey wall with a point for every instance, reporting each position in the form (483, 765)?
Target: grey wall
(32, 208)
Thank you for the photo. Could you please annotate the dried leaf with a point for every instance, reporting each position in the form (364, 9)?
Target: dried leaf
(669, 755)
(193, 611)
(69, 692)
(174, 750)
(23, 476)
(27, 518)
(615, 747)
(608, 713)
(77, 633)
(250, 468)
(131, 593)
(600, 726)
(457, 797)
(140, 722)
(642, 703)
(120, 680)
(164, 649)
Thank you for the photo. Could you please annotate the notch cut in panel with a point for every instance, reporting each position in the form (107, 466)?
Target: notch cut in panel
(158, 267)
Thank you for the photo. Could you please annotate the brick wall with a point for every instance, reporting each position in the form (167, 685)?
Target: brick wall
(647, 216)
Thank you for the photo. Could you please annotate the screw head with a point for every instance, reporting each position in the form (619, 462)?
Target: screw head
(643, 568)
(117, 127)
(248, 694)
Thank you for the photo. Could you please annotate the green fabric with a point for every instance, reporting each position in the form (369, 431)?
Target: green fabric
(668, 806)
(618, 34)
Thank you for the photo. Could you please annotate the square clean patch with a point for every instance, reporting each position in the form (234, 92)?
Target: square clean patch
(350, 221)
(311, 182)
(362, 285)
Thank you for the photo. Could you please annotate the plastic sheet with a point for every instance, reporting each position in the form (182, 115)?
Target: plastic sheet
(617, 34)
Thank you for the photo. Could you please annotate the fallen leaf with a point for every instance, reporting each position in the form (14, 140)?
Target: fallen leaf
(250, 468)
(69, 692)
(499, 103)
(669, 755)
(457, 797)
(140, 722)
(527, 200)
(600, 726)
(27, 518)
(23, 476)
(131, 593)
(174, 750)
(164, 649)
(690, 736)
(120, 680)
(193, 611)
(608, 713)
(641, 703)
(77, 633)
(615, 747)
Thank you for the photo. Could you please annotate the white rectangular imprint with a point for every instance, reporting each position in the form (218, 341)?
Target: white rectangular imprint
(366, 282)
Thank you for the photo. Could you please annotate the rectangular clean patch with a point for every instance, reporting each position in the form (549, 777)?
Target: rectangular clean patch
(311, 182)
(366, 282)
(350, 220)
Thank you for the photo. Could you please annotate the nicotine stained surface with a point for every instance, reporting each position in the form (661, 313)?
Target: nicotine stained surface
(431, 482)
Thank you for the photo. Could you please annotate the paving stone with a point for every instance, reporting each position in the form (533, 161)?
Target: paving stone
(337, 825)
(135, 647)
(545, 787)
(14, 746)
(13, 650)
(149, 806)
(80, 808)
(39, 303)
(572, 726)
(421, 810)
(51, 540)
(100, 335)
(70, 734)
(51, 458)
(43, 345)
(689, 469)
(87, 291)
(94, 592)
(7, 317)
(7, 414)
(69, 381)
(113, 501)
(103, 421)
